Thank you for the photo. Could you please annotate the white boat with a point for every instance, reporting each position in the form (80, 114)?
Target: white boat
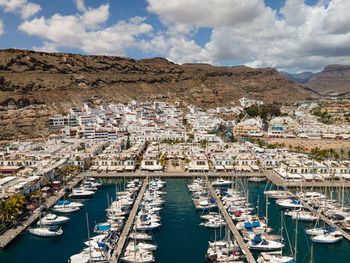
(140, 236)
(328, 238)
(206, 205)
(302, 215)
(89, 255)
(139, 256)
(277, 194)
(68, 203)
(46, 231)
(141, 245)
(149, 225)
(214, 223)
(52, 219)
(81, 192)
(65, 209)
(260, 244)
(289, 203)
(257, 179)
(221, 182)
(273, 258)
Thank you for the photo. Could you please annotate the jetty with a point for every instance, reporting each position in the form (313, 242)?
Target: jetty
(10, 235)
(121, 242)
(231, 225)
(170, 175)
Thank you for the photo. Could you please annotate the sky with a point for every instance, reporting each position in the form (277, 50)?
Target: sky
(290, 35)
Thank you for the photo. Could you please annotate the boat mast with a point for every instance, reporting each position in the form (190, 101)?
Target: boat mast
(88, 230)
(267, 212)
(281, 232)
(296, 238)
(342, 201)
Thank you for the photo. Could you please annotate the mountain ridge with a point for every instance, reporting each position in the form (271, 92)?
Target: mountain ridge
(35, 85)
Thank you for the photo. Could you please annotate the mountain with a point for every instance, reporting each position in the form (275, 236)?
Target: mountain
(334, 79)
(299, 77)
(36, 85)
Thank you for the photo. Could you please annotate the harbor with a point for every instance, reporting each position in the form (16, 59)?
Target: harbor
(179, 214)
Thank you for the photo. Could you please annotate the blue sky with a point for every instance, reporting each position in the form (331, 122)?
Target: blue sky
(291, 35)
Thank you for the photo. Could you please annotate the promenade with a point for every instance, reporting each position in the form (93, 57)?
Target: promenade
(13, 233)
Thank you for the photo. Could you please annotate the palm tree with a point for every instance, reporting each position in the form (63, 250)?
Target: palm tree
(5, 211)
(16, 202)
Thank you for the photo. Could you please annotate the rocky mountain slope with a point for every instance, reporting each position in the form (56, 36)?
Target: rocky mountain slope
(333, 79)
(299, 77)
(35, 85)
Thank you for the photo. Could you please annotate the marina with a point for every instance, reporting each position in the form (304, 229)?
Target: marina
(175, 207)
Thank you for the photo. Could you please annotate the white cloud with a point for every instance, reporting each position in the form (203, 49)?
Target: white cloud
(207, 13)
(1, 27)
(26, 9)
(300, 37)
(84, 31)
(80, 5)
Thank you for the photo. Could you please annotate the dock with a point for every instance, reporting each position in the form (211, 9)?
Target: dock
(170, 175)
(231, 225)
(13, 233)
(121, 242)
(326, 220)
(280, 182)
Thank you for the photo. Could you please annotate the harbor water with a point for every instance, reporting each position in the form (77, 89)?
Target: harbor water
(179, 239)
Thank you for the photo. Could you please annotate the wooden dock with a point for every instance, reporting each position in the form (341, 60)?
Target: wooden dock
(278, 181)
(13, 233)
(121, 242)
(231, 225)
(170, 175)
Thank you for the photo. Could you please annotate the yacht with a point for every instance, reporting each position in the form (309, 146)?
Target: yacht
(206, 205)
(68, 203)
(327, 238)
(65, 209)
(260, 244)
(274, 258)
(140, 236)
(81, 192)
(302, 215)
(46, 231)
(140, 256)
(141, 246)
(89, 255)
(52, 219)
(289, 203)
(221, 182)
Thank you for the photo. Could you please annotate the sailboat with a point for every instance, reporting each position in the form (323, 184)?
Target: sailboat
(52, 219)
(46, 231)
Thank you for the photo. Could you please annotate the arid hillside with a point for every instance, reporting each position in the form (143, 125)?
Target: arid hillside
(333, 79)
(35, 85)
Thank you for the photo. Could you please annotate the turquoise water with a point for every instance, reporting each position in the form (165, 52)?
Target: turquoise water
(179, 239)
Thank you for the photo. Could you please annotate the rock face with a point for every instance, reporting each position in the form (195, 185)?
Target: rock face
(35, 85)
(333, 79)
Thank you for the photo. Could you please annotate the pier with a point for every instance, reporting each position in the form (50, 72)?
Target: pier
(129, 222)
(231, 225)
(280, 182)
(171, 175)
(13, 233)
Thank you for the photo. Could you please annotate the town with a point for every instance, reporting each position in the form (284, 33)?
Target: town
(306, 144)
